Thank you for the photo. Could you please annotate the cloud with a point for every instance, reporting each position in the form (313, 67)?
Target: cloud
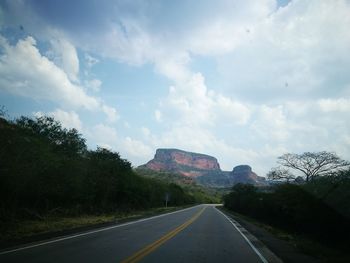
(145, 131)
(111, 113)
(271, 124)
(90, 60)
(108, 137)
(69, 120)
(93, 84)
(104, 135)
(232, 111)
(67, 58)
(158, 115)
(193, 104)
(335, 105)
(280, 84)
(264, 52)
(25, 72)
(298, 51)
(136, 149)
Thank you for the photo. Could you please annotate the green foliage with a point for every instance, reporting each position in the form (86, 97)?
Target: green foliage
(334, 190)
(305, 209)
(194, 193)
(68, 142)
(46, 168)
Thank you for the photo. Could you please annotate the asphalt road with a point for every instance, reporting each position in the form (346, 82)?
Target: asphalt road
(198, 234)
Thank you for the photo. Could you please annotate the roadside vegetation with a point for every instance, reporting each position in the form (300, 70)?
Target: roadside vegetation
(27, 229)
(47, 172)
(201, 194)
(315, 208)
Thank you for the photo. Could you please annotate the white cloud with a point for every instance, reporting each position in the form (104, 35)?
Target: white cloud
(133, 149)
(104, 135)
(232, 28)
(271, 124)
(127, 125)
(333, 105)
(194, 104)
(232, 111)
(296, 52)
(67, 58)
(93, 84)
(145, 131)
(136, 149)
(172, 64)
(24, 71)
(158, 115)
(111, 113)
(68, 120)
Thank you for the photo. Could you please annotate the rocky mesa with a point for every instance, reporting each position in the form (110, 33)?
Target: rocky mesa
(204, 169)
(244, 174)
(182, 162)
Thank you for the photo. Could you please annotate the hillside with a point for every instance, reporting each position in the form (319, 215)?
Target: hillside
(201, 168)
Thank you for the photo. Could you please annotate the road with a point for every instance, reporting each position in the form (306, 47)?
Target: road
(197, 234)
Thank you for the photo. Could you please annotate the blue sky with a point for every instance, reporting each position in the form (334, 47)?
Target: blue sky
(244, 81)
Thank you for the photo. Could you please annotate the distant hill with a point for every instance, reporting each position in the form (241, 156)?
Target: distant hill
(201, 168)
(185, 163)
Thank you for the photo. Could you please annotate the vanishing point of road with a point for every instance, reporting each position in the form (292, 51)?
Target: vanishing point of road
(197, 234)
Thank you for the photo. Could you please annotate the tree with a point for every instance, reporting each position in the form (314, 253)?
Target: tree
(243, 198)
(280, 174)
(70, 142)
(313, 164)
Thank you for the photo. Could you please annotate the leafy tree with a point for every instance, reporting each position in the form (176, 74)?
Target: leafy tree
(45, 167)
(295, 208)
(313, 164)
(3, 111)
(68, 141)
(242, 198)
(280, 174)
(333, 190)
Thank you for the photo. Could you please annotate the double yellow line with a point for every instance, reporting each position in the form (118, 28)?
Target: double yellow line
(151, 247)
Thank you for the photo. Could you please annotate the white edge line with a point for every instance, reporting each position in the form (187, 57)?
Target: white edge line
(92, 232)
(248, 241)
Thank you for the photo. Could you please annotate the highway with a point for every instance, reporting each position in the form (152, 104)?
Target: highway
(197, 234)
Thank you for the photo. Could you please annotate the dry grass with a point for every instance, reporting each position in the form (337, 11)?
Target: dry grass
(17, 230)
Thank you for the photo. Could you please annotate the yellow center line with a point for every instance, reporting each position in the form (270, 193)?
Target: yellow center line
(153, 246)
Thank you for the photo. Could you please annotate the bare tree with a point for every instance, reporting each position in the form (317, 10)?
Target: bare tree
(280, 174)
(313, 164)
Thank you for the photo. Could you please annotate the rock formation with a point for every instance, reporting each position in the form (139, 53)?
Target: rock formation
(186, 163)
(204, 169)
(244, 174)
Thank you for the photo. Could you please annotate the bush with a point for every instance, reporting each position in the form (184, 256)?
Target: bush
(290, 207)
(45, 167)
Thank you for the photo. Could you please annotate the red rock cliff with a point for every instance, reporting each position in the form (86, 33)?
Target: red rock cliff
(186, 163)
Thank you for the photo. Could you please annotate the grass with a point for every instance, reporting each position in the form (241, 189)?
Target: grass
(20, 229)
(305, 244)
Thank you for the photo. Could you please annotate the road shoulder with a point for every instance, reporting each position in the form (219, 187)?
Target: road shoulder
(272, 247)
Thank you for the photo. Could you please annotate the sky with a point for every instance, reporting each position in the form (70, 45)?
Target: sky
(244, 81)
